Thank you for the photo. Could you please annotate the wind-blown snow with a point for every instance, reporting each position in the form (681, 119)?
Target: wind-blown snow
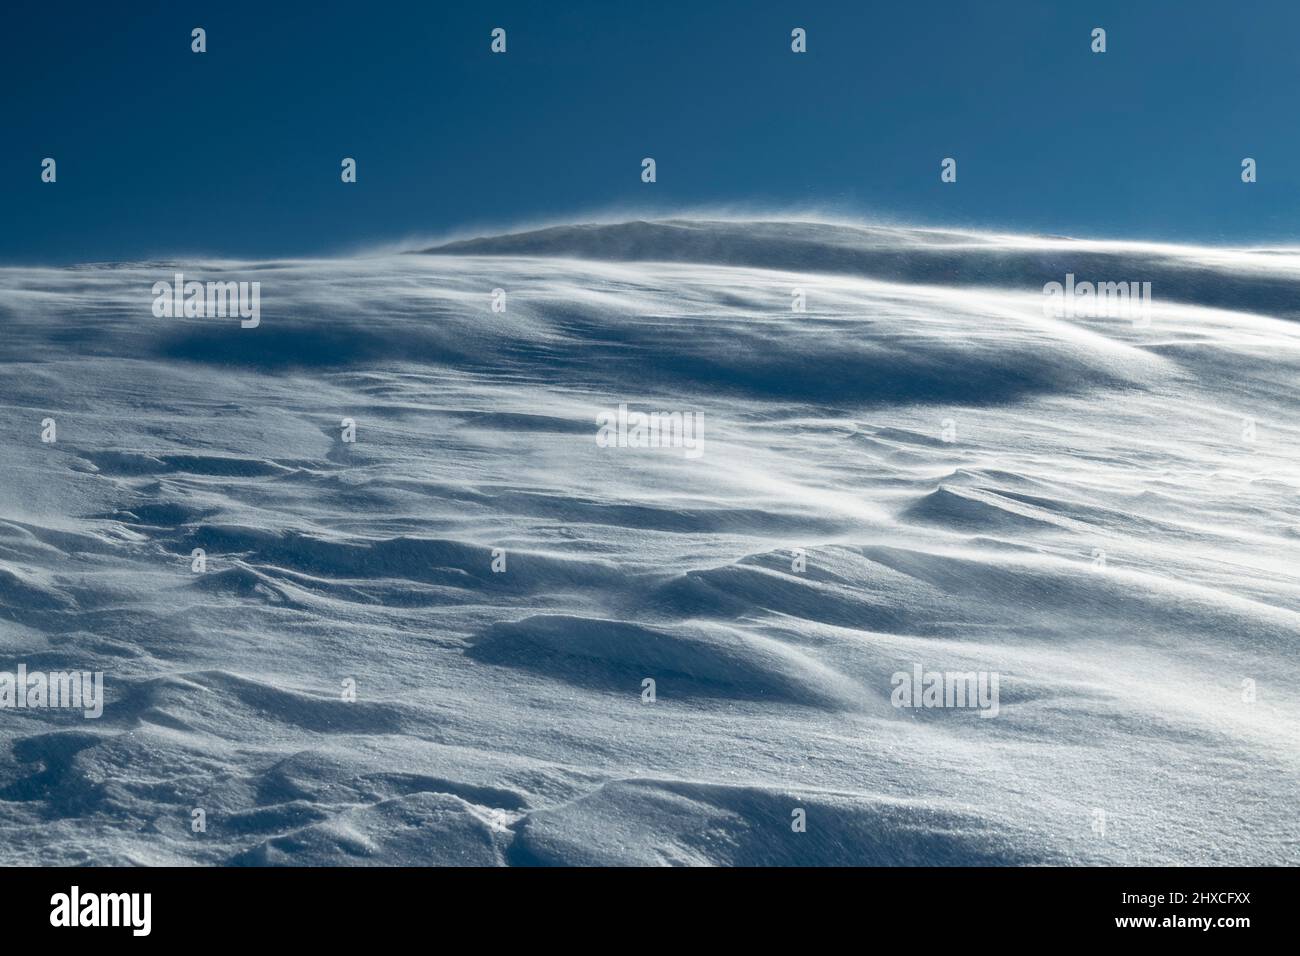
(499, 716)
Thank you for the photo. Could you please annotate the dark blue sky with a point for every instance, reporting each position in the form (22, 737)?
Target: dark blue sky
(236, 151)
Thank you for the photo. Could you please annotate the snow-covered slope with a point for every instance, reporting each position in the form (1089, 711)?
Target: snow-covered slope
(1101, 512)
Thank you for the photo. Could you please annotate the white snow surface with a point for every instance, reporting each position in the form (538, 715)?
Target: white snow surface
(1102, 533)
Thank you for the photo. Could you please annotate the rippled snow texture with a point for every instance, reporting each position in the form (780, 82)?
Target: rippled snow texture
(499, 716)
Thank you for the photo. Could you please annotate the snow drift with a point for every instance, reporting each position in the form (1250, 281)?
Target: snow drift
(921, 468)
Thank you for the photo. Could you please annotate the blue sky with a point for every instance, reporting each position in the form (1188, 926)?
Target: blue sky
(236, 151)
